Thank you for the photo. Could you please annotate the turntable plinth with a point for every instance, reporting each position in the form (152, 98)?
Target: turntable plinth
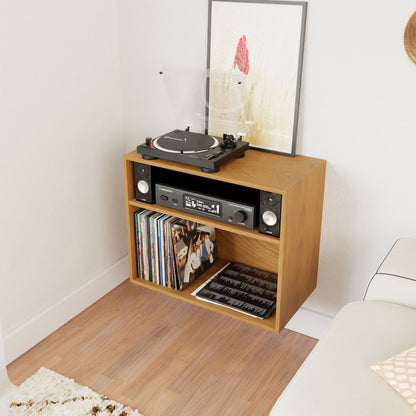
(294, 256)
(196, 149)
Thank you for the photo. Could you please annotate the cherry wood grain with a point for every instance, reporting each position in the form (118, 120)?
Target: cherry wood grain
(256, 169)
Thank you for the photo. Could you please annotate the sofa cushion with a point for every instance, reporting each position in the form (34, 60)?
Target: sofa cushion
(401, 260)
(337, 379)
(400, 372)
(395, 279)
(393, 289)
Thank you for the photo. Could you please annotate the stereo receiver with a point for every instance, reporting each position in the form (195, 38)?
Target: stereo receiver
(244, 215)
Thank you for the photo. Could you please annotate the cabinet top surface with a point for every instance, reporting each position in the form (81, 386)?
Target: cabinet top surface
(256, 169)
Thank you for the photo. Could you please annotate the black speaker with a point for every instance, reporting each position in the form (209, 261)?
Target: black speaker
(143, 183)
(270, 209)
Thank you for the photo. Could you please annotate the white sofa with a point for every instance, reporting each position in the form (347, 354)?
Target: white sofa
(336, 378)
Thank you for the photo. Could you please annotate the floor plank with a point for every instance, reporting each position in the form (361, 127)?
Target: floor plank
(166, 357)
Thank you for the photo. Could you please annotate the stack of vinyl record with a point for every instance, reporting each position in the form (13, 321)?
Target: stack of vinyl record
(171, 251)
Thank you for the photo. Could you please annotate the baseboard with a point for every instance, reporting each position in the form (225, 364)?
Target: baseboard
(311, 323)
(40, 326)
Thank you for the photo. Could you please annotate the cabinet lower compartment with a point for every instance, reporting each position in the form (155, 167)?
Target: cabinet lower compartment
(230, 247)
(186, 295)
(162, 258)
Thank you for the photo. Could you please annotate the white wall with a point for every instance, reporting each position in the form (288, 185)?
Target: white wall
(62, 225)
(61, 144)
(167, 36)
(357, 111)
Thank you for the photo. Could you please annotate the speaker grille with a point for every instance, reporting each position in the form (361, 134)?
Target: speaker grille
(143, 177)
(270, 208)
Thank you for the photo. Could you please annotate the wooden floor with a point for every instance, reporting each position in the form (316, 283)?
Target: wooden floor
(165, 357)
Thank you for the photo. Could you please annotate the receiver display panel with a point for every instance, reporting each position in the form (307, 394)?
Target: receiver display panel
(202, 205)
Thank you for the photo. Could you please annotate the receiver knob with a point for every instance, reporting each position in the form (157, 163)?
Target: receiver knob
(269, 218)
(240, 217)
(143, 186)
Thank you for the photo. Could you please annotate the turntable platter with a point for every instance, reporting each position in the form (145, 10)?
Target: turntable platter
(185, 142)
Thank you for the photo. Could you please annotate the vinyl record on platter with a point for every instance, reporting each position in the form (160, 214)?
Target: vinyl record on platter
(185, 142)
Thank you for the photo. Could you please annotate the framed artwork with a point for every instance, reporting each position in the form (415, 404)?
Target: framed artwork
(255, 51)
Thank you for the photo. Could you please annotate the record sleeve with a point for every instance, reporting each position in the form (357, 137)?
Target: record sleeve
(147, 246)
(163, 256)
(154, 247)
(195, 250)
(139, 243)
(172, 252)
(242, 288)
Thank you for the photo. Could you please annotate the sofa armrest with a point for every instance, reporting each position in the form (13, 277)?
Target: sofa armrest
(395, 279)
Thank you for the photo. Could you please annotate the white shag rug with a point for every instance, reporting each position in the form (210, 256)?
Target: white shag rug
(47, 393)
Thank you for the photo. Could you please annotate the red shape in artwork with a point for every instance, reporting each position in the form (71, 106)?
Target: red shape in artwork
(241, 56)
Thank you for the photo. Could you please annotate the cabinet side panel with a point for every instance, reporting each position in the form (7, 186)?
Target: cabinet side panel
(300, 242)
(129, 193)
(252, 252)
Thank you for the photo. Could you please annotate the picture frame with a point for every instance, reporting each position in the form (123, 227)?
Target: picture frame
(254, 60)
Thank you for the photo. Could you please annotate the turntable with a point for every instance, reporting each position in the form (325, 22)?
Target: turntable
(202, 150)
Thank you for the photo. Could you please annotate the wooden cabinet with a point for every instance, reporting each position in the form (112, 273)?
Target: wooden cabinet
(294, 256)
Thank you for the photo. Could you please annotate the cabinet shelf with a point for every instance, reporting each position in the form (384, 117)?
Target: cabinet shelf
(294, 256)
(207, 221)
